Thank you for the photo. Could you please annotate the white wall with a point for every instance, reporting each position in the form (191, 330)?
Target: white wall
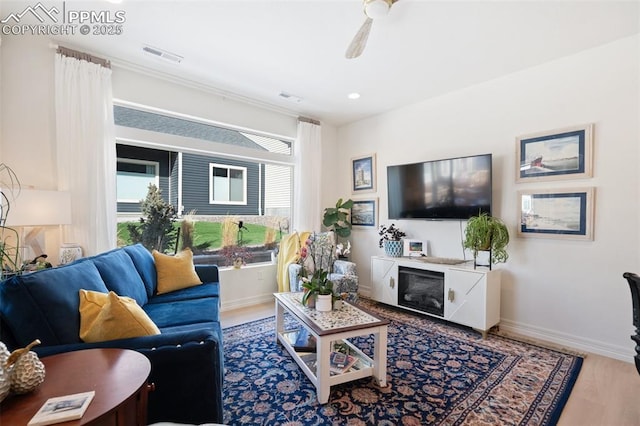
(570, 292)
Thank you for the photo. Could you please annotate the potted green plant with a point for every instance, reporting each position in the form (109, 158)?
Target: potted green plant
(336, 218)
(487, 233)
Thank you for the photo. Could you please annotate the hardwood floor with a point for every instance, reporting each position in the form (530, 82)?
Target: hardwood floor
(607, 392)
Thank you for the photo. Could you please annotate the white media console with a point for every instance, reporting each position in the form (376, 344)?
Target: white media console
(457, 293)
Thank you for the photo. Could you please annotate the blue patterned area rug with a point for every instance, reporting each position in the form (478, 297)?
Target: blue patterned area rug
(437, 374)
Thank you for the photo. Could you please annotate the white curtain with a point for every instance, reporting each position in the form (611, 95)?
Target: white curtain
(308, 176)
(86, 151)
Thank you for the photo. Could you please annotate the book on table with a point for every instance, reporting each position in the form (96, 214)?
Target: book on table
(341, 363)
(62, 409)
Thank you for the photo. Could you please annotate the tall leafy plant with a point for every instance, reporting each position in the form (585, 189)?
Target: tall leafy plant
(336, 218)
(155, 230)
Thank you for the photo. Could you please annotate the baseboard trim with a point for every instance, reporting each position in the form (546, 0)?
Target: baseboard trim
(245, 302)
(567, 340)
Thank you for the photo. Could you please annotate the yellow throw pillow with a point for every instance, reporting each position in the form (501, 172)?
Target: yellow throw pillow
(109, 316)
(175, 272)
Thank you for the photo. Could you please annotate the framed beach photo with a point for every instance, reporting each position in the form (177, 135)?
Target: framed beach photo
(364, 213)
(559, 154)
(363, 174)
(558, 213)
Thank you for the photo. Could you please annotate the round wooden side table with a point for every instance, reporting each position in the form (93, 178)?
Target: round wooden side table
(118, 376)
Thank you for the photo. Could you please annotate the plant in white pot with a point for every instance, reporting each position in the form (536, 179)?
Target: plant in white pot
(391, 240)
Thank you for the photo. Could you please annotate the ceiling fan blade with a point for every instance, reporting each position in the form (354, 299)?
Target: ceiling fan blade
(359, 42)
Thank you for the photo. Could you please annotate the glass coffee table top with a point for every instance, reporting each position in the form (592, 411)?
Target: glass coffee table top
(346, 316)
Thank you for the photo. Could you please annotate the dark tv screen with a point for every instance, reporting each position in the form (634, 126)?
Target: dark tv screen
(455, 188)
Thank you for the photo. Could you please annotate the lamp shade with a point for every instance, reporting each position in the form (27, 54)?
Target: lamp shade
(34, 207)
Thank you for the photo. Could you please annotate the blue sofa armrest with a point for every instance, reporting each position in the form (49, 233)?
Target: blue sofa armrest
(207, 273)
(186, 368)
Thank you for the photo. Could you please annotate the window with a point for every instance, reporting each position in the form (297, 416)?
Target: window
(133, 178)
(227, 184)
(212, 175)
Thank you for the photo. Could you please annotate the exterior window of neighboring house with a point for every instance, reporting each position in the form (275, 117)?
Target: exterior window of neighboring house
(133, 178)
(227, 184)
(213, 175)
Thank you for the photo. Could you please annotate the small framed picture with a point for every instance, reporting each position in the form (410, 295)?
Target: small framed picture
(364, 213)
(414, 248)
(560, 213)
(559, 154)
(363, 174)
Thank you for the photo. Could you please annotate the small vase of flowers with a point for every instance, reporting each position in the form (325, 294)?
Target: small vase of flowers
(391, 240)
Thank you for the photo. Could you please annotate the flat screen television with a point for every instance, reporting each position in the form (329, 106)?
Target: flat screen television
(453, 189)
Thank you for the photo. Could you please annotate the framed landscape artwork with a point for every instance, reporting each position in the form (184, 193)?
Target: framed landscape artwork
(559, 213)
(364, 213)
(559, 154)
(363, 174)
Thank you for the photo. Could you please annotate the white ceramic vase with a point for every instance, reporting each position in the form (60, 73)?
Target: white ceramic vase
(324, 302)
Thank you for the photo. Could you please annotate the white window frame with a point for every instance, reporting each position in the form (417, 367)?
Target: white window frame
(156, 164)
(244, 184)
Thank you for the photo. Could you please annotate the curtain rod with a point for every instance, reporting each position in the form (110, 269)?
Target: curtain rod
(309, 120)
(82, 56)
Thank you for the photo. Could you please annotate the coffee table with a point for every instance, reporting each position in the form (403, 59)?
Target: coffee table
(331, 329)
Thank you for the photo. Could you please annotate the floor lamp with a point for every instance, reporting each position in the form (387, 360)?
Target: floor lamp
(36, 209)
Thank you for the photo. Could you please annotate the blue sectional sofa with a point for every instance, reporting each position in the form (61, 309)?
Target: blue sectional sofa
(186, 357)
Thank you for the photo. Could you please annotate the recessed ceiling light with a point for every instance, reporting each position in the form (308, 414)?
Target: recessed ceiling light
(353, 95)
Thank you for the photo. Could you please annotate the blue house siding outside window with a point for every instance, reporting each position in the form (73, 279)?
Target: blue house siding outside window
(213, 174)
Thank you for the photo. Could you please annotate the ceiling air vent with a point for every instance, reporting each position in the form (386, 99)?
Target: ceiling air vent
(290, 97)
(162, 54)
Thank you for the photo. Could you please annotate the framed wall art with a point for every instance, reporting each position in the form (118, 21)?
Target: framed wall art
(363, 174)
(559, 154)
(364, 213)
(557, 213)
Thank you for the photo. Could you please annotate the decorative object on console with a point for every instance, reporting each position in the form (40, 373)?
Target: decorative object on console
(414, 248)
(557, 154)
(487, 233)
(391, 240)
(70, 252)
(363, 174)
(557, 213)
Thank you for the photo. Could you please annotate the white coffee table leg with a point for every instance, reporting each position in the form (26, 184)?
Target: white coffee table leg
(322, 372)
(380, 357)
(279, 319)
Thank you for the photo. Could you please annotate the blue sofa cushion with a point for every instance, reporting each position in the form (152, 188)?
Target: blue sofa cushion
(119, 275)
(183, 312)
(143, 260)
(37, 312)
(196, 292)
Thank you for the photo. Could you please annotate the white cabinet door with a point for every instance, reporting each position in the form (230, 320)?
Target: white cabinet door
(465, 298)
(384, 280)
